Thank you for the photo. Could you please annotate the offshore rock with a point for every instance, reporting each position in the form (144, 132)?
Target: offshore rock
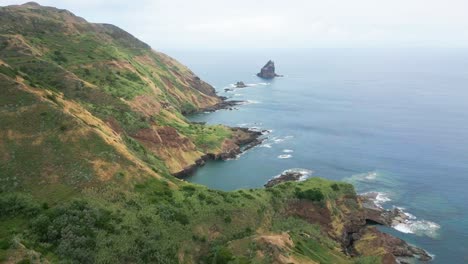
(240, 84)
(268, 71)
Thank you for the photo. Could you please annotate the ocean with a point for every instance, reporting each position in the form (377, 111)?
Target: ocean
(393, 121)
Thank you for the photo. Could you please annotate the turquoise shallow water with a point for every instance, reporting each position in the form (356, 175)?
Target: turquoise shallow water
(392, 121)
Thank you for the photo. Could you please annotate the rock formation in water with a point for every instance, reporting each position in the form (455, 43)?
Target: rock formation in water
(268, 71)
(240, 84)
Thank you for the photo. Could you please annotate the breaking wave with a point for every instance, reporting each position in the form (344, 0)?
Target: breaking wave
(285, 156)
(305, 173)
(378, 198)
(409, 224)
(412, 225)
(248, 102)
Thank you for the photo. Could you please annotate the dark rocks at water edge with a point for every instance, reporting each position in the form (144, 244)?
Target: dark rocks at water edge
(268, 71)
(224, 104)
(243, 140)
(289, 175)
(375, 214)
(239, 84)
(379, 215)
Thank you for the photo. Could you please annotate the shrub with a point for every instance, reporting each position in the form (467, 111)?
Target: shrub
(18, 205)
(315, 195)
(220, 255)
(169, 213)
(72, 229)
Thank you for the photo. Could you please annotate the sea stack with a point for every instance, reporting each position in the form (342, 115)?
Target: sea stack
(268, 71)
(240, 84)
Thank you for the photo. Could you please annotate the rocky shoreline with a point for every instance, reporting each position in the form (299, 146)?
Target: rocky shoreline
(224, 104)
(361, 234)
(288, 175)
(248, 140)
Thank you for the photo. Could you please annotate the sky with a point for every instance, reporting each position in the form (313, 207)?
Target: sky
(228, 24)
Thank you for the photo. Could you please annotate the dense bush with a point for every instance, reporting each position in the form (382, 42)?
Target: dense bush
(71, 229)
(335, 187)
(315, 195)
(18, 205)
(219, 255)
(170, 213)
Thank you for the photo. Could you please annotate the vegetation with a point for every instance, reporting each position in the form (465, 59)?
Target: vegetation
(91, 121)
(160, 223)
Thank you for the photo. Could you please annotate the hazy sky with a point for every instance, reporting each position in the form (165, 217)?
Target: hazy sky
(169, 24)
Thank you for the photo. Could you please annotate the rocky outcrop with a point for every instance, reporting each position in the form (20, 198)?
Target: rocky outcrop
(240, 84)
(289, 175)
(242, 139)
(268, 71)
(378, 215)
(223, 104)
(346, 220)
(370, 241)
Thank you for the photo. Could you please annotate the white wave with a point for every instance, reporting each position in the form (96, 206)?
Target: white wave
(266, 132)
(418, 227)
(284, 156)
(378, 198)
(408, 224)
(248, 102)
(365, 177)
(371, 176)
(288, 150)
(382, 198)
(257, 84)
(255, 128)
(411, 225)
(278, 140)
(266, 145)
(238, 94)
(305, 173)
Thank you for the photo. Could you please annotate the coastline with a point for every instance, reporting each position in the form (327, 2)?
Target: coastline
(362, 235)
(247, 140)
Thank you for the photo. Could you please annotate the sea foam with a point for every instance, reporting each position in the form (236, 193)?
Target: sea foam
(412, 225)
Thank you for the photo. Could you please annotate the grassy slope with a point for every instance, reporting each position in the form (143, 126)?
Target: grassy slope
(83, 178)
(114, 76)
(156, 223)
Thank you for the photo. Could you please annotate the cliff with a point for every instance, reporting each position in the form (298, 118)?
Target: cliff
(92, 129)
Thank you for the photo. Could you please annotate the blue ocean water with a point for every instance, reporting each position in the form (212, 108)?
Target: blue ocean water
(386, 120)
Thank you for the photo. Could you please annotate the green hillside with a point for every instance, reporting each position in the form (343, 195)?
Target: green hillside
(92, 128)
